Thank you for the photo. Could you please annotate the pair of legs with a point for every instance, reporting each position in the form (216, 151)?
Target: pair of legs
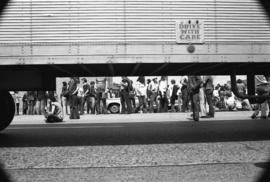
(185, 100)
(125, 102)
(101, 104)
(65, 105)
(142, 104)
(163, 103)
(74, 107)
(195, 104)
(92, 103)
(85, 99)
(209, 99)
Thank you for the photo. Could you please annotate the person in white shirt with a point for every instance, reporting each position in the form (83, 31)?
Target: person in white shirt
(141, 92)
(80, 98)
(163, 87)
(153, 89)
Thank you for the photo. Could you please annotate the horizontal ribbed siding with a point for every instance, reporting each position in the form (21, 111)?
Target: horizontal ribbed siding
(51, 21)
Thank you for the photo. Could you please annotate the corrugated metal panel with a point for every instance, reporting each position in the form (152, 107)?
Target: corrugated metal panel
(68, 21)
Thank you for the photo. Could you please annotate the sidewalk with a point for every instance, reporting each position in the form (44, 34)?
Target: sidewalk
(133, 118)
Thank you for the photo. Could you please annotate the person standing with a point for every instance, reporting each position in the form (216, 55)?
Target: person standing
(25, 103)
(202, 98)
(262, 88)
(194, 84)
(101, 85)
(17, 102)
(86, 96)
(132, 94)
(92, 97)
(31, 102)
(80, 99)
(65, 98)
(243, 91)
(153, 94)
(185, 94)
(73, 91)
(173, 95)
(163, 88)
(209, 90)
(124, 96)
(179, 95)
(141, 92)
(40, 102)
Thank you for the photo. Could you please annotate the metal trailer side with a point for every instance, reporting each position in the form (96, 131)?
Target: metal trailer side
(43, 39)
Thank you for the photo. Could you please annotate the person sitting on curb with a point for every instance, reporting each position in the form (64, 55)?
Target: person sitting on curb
(56, 113)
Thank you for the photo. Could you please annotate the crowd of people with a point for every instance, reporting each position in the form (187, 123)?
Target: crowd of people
(193, 93)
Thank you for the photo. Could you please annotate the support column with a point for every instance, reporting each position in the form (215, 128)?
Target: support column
(251, 84)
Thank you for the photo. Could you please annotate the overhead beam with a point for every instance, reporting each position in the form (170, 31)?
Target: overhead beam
(159, 68)
(85, 68)
(135, 68)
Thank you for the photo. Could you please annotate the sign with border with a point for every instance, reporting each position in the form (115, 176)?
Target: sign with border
(190, 31)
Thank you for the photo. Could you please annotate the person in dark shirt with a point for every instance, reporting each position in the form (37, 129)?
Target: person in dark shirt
(209, 89)
(194, 83)
(124, 96)
(73, 91)
(173, 95)
(92, 97)
(185, 95)
(25, 104)
(86, 96)
(31, 102)
(101, 84)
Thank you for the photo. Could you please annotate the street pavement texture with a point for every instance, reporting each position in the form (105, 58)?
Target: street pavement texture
(137, 147)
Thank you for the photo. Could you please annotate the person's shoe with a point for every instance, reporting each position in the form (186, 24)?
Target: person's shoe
(253, 116)
(211, 115)
(196, 119)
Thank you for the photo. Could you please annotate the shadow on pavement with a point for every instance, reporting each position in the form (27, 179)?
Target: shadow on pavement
(134, 133)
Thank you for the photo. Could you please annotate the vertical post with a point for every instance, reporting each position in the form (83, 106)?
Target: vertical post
(251, 84)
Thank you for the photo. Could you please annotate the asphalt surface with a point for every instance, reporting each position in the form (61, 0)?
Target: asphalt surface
(146, 147)
(122, 131)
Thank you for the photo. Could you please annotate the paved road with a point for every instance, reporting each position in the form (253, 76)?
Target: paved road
(160, 147)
